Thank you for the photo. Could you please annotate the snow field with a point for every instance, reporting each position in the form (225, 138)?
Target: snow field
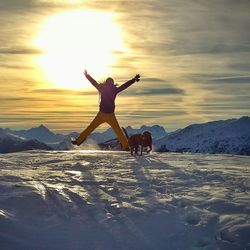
(111, 200)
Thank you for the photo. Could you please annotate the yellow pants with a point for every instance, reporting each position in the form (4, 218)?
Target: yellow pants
(98, 120)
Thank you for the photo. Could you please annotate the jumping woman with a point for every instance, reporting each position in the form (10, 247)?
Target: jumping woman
(108, 91)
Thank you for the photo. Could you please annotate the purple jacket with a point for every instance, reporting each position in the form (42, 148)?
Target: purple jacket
(108, 94)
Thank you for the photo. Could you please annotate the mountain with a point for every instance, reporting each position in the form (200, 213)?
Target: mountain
(156, 131)
(100, 137)
(41, 133)
(62, 142)
(13, 143)
(228, 136)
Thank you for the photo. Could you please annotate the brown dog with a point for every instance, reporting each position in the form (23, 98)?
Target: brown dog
(144, 140)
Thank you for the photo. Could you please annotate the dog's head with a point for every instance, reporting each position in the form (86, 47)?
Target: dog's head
(146, 138)
(147, 134)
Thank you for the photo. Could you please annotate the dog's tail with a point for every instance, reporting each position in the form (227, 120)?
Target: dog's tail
(125, 132)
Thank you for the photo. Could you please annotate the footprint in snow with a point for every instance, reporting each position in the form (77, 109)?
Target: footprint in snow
(192, 218)
(226, 235)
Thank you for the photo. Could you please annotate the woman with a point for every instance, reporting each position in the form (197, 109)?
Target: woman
(108, 91)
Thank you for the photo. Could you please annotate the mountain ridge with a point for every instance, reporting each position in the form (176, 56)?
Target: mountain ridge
(10, 143)
(231, 136)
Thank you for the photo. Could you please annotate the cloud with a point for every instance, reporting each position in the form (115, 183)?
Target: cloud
(8, 99)
(15, 5)
(153, 79)
(17, 119)
(12, 66)
(64, 92)
(155, 113)
(208, 27)
(232, 80)
(160, 91)
(20, 6)
(223, 106)
(20, 51)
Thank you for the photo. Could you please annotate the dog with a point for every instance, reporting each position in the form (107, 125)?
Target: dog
(144, 140)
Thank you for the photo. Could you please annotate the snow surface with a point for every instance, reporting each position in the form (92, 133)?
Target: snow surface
(111, 200)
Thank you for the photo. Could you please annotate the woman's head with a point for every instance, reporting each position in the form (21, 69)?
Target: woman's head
(109, 81)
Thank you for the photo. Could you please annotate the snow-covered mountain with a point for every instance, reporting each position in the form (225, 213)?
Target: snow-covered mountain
(62, 142)
(13, 143)
(41, 133)
(156, 131)
(228, 136)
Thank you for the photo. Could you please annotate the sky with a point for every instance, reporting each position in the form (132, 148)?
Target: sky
(193, 58)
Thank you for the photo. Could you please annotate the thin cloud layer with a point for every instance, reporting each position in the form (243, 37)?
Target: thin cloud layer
(194, 58)
(20, 51)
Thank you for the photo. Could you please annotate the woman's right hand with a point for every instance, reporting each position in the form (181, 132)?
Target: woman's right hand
(85, 72)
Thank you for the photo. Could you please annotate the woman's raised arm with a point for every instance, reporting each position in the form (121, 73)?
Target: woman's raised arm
(92, 80)
(128, 83)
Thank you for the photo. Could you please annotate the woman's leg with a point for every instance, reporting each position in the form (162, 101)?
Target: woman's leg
(111, 120)
(98, 120)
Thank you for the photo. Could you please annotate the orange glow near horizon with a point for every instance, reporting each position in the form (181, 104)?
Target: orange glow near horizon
(76, 40)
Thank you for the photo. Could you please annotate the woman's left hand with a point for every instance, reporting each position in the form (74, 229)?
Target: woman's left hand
(137, 77)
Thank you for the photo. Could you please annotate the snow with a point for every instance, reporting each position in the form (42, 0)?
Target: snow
(111, 200)
(41, 133)
(228, 136)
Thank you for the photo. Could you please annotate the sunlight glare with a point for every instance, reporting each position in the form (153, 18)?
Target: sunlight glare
(76, 40)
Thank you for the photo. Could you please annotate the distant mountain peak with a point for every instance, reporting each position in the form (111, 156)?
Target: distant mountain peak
(42, 127)
(244, 118)
(156, 126)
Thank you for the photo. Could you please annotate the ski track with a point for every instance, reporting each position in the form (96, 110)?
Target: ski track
(111, 200)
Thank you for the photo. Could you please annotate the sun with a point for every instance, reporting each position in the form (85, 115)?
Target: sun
(76, 40)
